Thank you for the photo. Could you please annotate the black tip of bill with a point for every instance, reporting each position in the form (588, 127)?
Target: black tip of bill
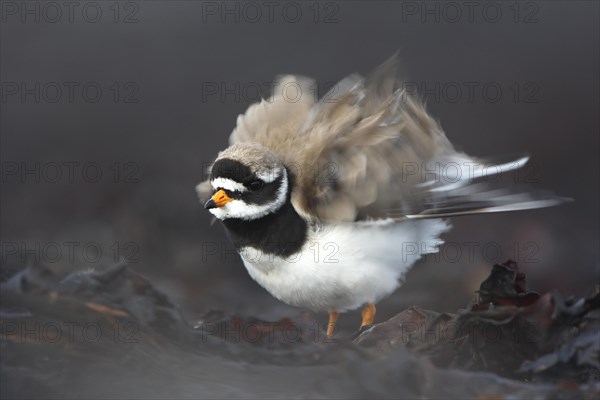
(210, 204)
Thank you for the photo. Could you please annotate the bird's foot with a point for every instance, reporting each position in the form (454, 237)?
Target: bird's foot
(368, 315)
(333, 317)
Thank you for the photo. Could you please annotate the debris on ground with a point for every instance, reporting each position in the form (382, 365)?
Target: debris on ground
(110, 333)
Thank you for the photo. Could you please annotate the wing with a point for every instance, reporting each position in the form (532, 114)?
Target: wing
(368, 149)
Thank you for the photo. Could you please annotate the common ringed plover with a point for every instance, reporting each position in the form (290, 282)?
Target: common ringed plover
(330, 202)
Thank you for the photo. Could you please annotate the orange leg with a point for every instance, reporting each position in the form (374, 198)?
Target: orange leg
(333, 317)
(368, 315)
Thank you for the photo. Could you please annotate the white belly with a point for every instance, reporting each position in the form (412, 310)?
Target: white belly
(344, 266)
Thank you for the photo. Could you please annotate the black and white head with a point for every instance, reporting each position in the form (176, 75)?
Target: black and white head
(248, 182)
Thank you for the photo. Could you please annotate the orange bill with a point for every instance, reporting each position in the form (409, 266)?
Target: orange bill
(219, 199)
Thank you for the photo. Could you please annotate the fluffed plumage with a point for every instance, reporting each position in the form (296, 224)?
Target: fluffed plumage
(365, 169)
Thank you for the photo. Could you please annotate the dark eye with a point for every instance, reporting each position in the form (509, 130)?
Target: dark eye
(256, 185)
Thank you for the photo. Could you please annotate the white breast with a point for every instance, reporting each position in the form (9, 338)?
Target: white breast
(344, 266)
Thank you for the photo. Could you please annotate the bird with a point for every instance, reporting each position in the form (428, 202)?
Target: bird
(330, 201)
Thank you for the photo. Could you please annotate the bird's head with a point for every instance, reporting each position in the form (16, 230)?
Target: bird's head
(248, 182)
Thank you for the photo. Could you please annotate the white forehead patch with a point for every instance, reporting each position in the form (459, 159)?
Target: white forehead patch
(228, 184)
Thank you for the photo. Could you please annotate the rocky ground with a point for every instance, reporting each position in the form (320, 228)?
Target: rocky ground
(110, 334)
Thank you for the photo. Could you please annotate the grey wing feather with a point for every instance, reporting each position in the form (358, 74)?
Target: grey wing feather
(204, 191)
(368, 149)
(481, 197)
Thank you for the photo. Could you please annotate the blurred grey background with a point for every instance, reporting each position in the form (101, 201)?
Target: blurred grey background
(111, 112)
